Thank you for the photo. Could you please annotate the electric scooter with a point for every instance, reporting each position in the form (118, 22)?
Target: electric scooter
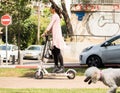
(42, 72)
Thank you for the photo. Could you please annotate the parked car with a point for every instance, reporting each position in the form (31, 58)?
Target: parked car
(107, 52)
(12, 50)
(33, 52)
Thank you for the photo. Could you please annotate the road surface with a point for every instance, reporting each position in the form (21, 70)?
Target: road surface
(64, 82)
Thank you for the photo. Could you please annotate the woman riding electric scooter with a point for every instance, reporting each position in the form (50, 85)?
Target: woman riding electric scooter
(58, 43)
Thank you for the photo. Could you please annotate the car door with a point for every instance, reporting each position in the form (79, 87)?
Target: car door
(111, 53)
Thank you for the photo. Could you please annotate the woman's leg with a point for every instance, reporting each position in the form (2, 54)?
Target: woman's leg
(55, 56)
(55, 53)
(61, 59)
(58, 58)
(61, 70)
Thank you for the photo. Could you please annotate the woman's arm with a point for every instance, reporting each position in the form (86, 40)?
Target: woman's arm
(50, 25)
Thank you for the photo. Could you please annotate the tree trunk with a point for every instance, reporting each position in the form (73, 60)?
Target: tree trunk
(66, 18)
(65, 15)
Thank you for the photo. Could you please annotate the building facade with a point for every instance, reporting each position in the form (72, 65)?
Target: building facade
(97, 18)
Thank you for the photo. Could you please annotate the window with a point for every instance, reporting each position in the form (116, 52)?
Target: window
(4, 47)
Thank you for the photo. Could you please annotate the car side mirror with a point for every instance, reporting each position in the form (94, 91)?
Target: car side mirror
(106, 44)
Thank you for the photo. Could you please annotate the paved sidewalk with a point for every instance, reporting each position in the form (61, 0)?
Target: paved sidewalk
(17, 82)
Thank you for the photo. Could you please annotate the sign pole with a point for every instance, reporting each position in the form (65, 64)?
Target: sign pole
(6, 20)
(6, 28)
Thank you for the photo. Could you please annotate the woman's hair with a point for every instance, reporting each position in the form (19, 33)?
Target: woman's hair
(57, 10)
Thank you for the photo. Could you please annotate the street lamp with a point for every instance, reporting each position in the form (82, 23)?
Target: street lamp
(38, 33)
(38, 5)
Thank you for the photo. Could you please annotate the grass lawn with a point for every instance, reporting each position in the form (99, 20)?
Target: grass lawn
(16, 72)
(25, 72)
(28, 90)
(53, 90)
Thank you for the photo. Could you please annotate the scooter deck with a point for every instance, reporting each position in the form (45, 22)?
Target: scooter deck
(56, 74)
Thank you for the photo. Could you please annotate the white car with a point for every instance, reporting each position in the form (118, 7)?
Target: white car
(33, 52)
(99, 55)
(12, 50)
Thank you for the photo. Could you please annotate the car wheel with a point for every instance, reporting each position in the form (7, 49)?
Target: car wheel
(94, 61)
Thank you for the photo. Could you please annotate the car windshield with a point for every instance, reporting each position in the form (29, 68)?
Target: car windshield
(4, 47)
(34, 48)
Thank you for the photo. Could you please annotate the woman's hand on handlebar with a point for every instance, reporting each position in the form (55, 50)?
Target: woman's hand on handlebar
(44, 34)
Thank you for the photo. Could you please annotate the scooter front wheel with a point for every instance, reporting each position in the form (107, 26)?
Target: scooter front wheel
(38, 75)
(71, 74)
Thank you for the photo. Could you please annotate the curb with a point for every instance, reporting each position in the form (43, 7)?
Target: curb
(19, 66)
(67, 65)
(26, 66)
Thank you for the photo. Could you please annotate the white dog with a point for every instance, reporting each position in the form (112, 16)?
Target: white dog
(110, 77)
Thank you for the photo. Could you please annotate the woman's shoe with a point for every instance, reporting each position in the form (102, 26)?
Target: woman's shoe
(61, 70)
(55, 69)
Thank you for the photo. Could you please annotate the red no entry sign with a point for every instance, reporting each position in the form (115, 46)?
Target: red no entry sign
(6, 20)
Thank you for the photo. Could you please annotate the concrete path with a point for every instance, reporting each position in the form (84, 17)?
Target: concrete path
(17, 82)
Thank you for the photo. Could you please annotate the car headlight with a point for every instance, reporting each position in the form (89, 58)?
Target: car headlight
(87, 49)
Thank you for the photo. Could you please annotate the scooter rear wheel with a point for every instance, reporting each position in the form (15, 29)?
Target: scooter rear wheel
(38, 75)
(71, 74)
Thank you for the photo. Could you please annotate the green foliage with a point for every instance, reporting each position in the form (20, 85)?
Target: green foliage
(24, 23)
(45, 1)
(20, 12)
(85, 1)
(63, 27)
(28, 33)
(23, 30)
